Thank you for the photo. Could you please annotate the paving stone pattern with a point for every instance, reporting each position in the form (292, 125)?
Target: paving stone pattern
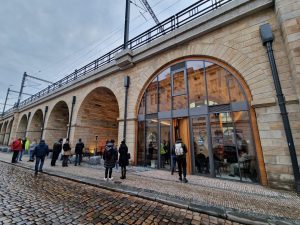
(44, 199)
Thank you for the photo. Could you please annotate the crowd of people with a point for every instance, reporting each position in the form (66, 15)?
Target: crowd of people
(38, 153)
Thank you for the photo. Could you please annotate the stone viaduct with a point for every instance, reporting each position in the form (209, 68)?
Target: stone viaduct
(94, 103)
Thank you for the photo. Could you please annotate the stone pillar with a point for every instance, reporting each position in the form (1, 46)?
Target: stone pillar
(288, 16)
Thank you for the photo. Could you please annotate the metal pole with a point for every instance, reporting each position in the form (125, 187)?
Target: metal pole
(9, 134)
(21, 89)
(5, 101)
(267, 39)
(43, 125)
(71, 117)
(126, 85)
(126, 30)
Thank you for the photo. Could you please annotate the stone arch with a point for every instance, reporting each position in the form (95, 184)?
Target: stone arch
(58, 123)
(8, 132)
(35, 126)
(97, 116)
(22, 127)
(3, 130)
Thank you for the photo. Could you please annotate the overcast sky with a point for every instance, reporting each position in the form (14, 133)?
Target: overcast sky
(51, 38)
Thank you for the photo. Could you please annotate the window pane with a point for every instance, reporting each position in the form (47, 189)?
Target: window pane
(247, 156)
(195, 70)
(235, 90)
(152, 97)
(142, 106)
(141, 154)
(165, 142)
(180, 102)
(216, 84)
(178, 83)
(164, 91)
(152, 142)
(200, 145)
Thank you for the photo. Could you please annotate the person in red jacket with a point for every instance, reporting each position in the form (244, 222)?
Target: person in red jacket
(16, 147)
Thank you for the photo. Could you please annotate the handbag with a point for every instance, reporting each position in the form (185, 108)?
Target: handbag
(128, 156)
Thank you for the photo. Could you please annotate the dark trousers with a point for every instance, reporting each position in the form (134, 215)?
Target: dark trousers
(54, 158)
(123, 171)
(39, 162)
(14, 157)
(108, 170)
(78, 159)
(181, 161)
(65, 160)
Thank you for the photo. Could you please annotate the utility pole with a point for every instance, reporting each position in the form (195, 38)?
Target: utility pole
(21, 89)
(126, 30)
(5, 101)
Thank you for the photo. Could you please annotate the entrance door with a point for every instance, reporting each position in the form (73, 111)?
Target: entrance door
(181, 130)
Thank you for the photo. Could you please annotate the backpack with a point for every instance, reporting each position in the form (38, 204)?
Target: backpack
(178, 149)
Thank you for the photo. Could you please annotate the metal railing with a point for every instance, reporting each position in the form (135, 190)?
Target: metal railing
(183, 17)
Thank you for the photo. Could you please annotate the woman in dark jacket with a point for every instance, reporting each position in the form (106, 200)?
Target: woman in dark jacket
(123, 159)
(67, 153)
(110, 157)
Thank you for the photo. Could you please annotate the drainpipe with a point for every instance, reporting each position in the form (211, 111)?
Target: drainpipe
(12, 122)
(43, 125)
(126, 85)
(267, 39)
(71, 117)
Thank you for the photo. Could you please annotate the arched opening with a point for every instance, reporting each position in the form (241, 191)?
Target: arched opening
(35, 127)
(57, 124)
(97, 116)
(3, 130)
(21, 131)
(207, 106)
(8, 132)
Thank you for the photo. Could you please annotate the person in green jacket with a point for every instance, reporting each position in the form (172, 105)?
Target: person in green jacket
(27, 144)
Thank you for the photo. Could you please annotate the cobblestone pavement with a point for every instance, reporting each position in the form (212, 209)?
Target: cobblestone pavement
(44, 199)
(230, 196)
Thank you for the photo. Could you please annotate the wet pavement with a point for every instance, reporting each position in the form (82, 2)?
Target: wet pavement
(45, 199)
(236, 201)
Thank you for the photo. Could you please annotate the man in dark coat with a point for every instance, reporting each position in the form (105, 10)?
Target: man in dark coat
(78, 151)
(123, 159)
(110, 157)
(56, 151)
(40, 152)
(180, 150)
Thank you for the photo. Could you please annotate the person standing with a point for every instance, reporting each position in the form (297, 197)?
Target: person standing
(180, 150)
(123, 159)
(110, 158)
(78, 151)
(40, 152)
(67, 153)
(16, 147)
(163, 153)
(23, 148)
(31, 149)
(56, 151)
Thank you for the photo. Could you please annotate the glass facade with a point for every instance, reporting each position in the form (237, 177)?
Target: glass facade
(206, 106)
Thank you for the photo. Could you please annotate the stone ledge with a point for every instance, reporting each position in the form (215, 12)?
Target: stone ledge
(124, 59)
(263, 102)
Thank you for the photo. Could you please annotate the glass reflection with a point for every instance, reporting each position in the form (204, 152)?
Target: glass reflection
(217, 89)
(152, 142)
(178, 83)
(197, 92)
(152, 97)
(164, 91)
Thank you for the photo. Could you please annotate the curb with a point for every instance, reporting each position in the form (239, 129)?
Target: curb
(233, 215)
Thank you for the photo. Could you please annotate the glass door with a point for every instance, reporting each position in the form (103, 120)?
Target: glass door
(165, 144)
(200, 145)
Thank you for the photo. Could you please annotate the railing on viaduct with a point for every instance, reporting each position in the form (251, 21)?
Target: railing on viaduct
(185, 16)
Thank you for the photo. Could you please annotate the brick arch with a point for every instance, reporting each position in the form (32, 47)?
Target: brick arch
(35, 125)
(22, 126)
(56, 125)
(97, 115)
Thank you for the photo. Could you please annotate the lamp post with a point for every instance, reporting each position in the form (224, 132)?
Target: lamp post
(95, 151)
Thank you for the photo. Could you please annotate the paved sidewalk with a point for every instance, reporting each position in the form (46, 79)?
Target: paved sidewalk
(244, 203)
